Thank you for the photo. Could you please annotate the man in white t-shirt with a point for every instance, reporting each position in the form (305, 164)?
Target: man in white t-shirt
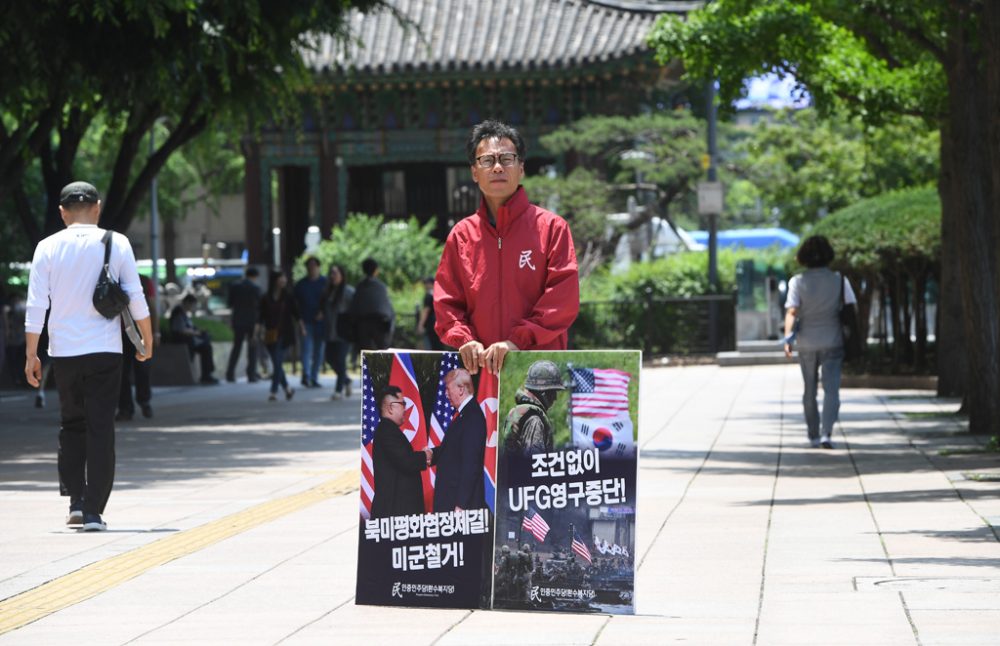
(85, 347)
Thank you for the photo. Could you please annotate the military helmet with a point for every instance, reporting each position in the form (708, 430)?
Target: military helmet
(526, 547)
(505, 549)
(544, 375)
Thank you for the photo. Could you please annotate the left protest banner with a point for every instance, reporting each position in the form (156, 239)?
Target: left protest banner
(426, 528)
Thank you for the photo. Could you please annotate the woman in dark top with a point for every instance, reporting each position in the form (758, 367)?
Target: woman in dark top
(425, 323)
(335, 303)
(278, 317)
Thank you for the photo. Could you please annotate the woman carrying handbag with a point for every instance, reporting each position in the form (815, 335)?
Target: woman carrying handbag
(813, 322)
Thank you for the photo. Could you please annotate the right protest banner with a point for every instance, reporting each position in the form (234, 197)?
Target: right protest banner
(566, 481)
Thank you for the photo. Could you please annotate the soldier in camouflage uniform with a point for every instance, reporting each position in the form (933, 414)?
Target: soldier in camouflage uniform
(505, 573)
(527, 427)
(524, 569)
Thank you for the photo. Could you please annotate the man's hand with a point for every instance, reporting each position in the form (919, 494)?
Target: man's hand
(145, 327)
(33, 370)
(471, 353)
(429, 453)
(492, 359)
(788, 350)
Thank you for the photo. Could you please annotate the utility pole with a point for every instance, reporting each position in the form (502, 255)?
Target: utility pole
(710, 205)
(154, 235)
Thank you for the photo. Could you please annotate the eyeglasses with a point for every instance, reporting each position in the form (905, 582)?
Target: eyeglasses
(489, 161)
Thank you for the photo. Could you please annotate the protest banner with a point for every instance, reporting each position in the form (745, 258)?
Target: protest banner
(566, 482)
(426, 524)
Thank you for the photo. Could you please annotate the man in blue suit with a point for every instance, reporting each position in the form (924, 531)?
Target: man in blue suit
(459, 459)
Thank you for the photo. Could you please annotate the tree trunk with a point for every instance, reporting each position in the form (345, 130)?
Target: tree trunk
(949, 334)
(970, 200)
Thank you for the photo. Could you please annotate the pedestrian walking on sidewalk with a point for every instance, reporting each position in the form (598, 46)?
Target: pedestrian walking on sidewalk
(85, 346)
(336, 305)
(812, 321)
(244, 306)
(136, 373)
(278, 318)
(308, 297)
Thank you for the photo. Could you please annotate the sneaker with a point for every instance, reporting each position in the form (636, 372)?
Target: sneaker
(39, 401)
(93, 523)
(75, 517)
(209, 381)
(147, 410)
(347, 389)
(252, 379)
(814, 444)
(273, 397)
(826, 444)
(336, 396)
(289, 393)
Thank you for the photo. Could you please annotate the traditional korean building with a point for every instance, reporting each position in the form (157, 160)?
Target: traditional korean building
(386, 128)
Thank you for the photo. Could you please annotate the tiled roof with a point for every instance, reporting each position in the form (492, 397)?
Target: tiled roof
(492, 36)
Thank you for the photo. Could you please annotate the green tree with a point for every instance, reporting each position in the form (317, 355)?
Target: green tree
(198, 64)
(935, 59)
(804, 166)
(655, 155)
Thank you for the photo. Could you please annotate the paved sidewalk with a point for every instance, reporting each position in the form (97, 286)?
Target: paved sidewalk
(233, 520)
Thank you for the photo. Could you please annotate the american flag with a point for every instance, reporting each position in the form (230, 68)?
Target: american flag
(534, 523)
(599, 407)
(488, 401)
(581, 548)
(444, 412)
(369, 420)
(599, 392)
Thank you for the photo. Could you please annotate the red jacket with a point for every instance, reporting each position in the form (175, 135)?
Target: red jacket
(517, 281)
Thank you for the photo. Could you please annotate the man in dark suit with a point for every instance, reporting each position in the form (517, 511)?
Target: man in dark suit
(398, 488)
(459, 459)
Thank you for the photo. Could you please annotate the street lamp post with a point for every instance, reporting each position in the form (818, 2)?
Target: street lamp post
(154, 232)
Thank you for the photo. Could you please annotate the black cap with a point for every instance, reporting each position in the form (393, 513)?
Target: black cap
(78, 192)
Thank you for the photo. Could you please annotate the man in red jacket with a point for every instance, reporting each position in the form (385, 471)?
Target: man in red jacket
(508, 276)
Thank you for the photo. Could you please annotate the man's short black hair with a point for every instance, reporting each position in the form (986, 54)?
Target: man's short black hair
(388, 391)
(252, 272)
(815, 252)
(312, 259)
(189, 298)
(492, 129)
(368, 266)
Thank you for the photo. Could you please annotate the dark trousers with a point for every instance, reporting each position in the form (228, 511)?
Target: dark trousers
(277, 352)
(137, 372)
(240, 333)
(88, 387)
(336, 355)
(202, 346)
(374, 332)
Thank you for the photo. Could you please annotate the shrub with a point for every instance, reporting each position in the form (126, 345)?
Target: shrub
(405, 250)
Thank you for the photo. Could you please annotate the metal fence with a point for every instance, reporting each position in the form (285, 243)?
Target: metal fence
(657, 325)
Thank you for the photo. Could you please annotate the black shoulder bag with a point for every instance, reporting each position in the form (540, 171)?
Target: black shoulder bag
(109, 297)
(849, 328)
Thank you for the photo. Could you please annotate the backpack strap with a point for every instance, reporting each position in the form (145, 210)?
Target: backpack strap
(106, 239)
